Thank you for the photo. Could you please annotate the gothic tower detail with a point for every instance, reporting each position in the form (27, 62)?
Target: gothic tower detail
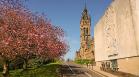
(85, 25)
(86, 51)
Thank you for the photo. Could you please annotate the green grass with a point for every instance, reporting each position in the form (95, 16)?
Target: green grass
(83, 61)
(49, 70)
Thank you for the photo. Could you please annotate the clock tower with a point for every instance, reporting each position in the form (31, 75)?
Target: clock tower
(85, 25)
(86, 50)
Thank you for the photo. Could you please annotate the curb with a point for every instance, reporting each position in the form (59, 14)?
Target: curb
(99, 73)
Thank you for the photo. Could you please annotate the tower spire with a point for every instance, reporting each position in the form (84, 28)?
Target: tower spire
(85, 5)
(85, 15)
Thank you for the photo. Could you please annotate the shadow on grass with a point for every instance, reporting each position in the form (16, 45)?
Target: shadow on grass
(49, 70)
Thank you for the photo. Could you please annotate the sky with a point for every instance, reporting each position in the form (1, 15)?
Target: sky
(67, 14)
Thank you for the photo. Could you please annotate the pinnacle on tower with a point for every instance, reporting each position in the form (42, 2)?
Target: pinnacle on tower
(85, 15)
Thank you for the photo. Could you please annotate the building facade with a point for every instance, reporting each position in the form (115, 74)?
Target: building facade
(117, 36)
(86, 50)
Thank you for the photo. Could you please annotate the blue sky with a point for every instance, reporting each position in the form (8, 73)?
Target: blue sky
(67, 14)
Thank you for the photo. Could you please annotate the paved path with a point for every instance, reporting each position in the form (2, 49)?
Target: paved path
(69, 69)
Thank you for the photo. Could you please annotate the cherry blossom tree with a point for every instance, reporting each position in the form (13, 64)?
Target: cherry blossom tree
(24, 34)
(51, 40)
(15, 30)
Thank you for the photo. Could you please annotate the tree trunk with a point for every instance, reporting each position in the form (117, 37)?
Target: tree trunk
(5, 69)
(25, 64)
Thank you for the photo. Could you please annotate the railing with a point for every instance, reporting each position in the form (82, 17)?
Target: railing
(107, 67)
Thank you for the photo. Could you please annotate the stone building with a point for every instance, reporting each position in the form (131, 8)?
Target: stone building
(77, 56)
(86, 50)
(117, 36)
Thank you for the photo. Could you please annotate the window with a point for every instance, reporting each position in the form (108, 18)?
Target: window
(86, 31)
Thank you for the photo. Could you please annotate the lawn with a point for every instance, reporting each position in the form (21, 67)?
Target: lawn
(49, 70)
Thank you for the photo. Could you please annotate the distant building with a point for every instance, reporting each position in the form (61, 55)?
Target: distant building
(86, 50)
(117, 36)
(77, 56)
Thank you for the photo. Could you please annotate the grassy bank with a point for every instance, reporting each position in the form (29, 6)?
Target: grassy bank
(49, 70)
(84, 61)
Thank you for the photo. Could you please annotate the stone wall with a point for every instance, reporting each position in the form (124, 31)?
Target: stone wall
(129, 65)
(115, 34)
(135, 14)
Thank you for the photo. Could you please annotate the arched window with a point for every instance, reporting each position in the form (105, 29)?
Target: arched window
(86, 31)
